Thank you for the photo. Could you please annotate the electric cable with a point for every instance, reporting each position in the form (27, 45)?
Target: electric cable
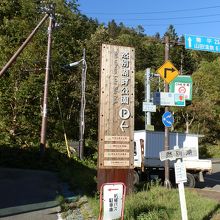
(153, 12)
(169, 18)
(61, 115)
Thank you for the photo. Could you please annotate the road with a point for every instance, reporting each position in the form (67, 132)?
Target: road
(211, 187)
(29, 194)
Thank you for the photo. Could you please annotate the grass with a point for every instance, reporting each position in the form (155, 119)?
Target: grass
(150, 203)
(159, 203)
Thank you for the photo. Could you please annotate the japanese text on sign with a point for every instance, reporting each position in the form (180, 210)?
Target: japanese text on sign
(178, 153)
(113, 200)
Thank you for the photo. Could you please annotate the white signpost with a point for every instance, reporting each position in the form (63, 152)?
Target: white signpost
(112, 201)
(180, 170)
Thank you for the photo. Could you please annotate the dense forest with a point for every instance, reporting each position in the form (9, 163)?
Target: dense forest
(21, 87)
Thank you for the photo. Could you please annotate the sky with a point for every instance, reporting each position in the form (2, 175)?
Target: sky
(194, 17)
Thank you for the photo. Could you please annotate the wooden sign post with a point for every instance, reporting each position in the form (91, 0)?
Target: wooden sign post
(116, 116)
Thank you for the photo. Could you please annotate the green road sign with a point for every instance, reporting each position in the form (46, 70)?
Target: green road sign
(182, 85)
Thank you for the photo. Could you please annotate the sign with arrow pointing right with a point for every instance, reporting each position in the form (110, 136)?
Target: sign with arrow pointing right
(168, 71)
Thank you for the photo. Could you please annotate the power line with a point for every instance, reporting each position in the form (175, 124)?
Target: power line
(169, 18)
(153, 12)
(175, 24)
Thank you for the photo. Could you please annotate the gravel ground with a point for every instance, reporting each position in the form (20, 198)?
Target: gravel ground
(78, 210)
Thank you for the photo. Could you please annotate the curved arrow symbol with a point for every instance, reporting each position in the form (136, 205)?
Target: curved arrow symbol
(166, 70)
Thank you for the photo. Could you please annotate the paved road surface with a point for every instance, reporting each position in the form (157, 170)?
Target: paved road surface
(25, 191)
(211, 187)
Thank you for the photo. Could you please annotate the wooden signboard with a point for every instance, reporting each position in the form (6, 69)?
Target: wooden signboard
(116, 113)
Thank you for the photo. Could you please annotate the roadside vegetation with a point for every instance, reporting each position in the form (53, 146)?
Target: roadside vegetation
(157, 203)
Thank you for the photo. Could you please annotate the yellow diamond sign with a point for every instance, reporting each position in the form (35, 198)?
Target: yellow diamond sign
(168, 71)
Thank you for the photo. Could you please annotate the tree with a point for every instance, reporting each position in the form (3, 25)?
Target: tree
(171, 33)
(204, 110)
(22, 85)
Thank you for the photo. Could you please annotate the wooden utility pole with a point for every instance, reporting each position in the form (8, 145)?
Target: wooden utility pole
(166, 138)
(20, 49)
(45, 100)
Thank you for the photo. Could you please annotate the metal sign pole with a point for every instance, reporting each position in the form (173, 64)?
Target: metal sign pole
(166, 138)
(182, 200)
(147, 97)
(181, 188)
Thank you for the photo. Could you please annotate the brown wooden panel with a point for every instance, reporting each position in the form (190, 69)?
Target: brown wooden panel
(116, 175)
(116, 113)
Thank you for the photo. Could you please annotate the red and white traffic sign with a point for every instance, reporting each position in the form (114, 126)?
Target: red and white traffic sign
(183, 88)
(112, 201)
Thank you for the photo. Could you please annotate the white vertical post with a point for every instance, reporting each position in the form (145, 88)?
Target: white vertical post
(181, 188)
(182, 201)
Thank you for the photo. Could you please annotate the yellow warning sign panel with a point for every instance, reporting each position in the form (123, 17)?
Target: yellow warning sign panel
(168, 71)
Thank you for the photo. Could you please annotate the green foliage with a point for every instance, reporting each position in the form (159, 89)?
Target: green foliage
(160, 203)
(206, 96)
(21, 92)
(210, 150)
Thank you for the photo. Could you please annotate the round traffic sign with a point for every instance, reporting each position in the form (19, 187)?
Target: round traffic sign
(167, 119)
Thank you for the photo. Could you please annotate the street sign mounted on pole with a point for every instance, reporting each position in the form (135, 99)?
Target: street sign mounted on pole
(211, 44)
(180, 172)
(167, 119)
(178, 154)
(168, 71)
(182, 85)
(149, 107)
(169, 99)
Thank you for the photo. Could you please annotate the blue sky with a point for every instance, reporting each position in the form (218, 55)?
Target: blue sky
(196, 17)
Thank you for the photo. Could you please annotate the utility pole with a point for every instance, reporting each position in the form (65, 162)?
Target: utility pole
(20, 49)
(45, 100)
(147, 97)
(82, 108)
(166, 137)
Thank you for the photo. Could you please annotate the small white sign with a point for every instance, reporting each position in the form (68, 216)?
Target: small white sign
(169, 99)
(180, 172)
(149, 107)
(112, 201)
